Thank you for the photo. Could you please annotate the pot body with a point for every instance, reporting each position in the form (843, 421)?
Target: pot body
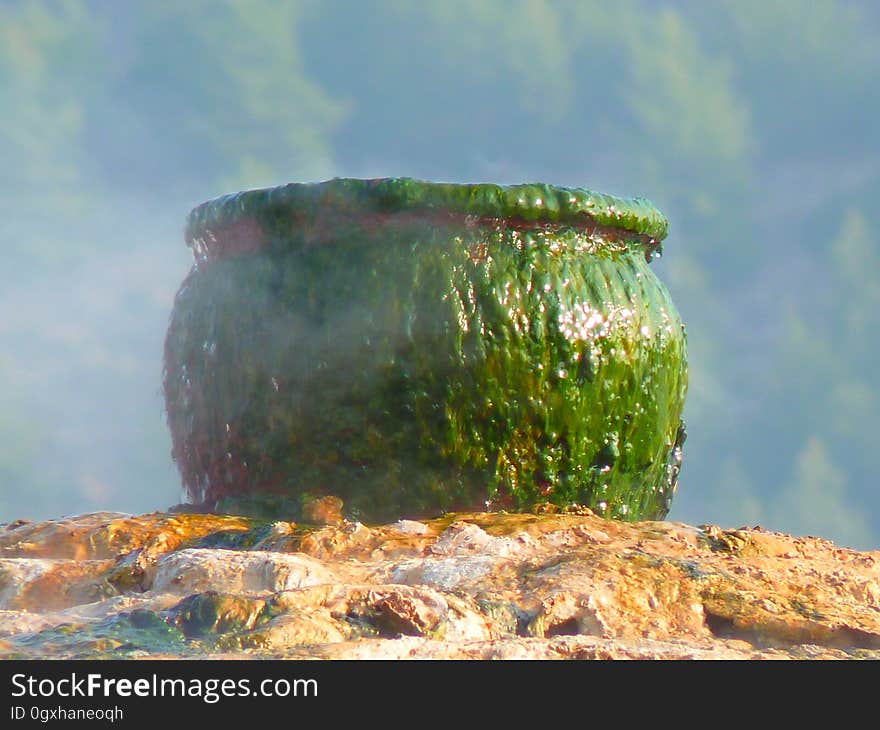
(416, 359)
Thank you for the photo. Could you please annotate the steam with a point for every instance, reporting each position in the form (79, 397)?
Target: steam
(81, 368)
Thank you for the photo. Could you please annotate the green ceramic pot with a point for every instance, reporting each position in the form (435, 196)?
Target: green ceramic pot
(416, 347)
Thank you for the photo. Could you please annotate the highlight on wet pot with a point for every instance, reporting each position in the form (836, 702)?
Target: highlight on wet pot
(414, 348)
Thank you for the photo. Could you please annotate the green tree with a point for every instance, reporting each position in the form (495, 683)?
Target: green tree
(669, 105)
(213, 98)
(48, 70)
(804, 66)
(816, 500)
(446, 90)
(824, 378)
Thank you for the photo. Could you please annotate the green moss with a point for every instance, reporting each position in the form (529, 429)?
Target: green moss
(136, 633)
(287, 209)
(261, 506)
(210, 613)
(251, 539)
(412, 365)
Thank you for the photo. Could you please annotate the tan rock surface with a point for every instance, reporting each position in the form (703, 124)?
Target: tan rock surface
(481, 586)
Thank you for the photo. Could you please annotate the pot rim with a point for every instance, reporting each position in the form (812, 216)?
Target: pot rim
(530, 203)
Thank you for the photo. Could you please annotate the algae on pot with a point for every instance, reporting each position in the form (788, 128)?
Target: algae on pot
(415, 348)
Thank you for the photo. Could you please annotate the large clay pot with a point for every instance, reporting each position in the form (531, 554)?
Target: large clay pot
(416, 347)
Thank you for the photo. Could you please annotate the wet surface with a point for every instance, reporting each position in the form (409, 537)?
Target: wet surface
(475, 585)
(414, 348)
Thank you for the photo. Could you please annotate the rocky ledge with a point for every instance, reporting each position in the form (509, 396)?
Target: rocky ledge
(465, 586)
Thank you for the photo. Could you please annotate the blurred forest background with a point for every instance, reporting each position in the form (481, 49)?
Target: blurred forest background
(752, 125)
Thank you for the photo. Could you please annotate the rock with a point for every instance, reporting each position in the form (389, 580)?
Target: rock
(215, 613)
(242, 572)
(550, 585)
(410, 527)
(109, 534)
(322, 510)
(52, 584)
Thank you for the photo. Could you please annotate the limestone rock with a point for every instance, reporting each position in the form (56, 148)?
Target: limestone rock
(251, 572)
(465, 586)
